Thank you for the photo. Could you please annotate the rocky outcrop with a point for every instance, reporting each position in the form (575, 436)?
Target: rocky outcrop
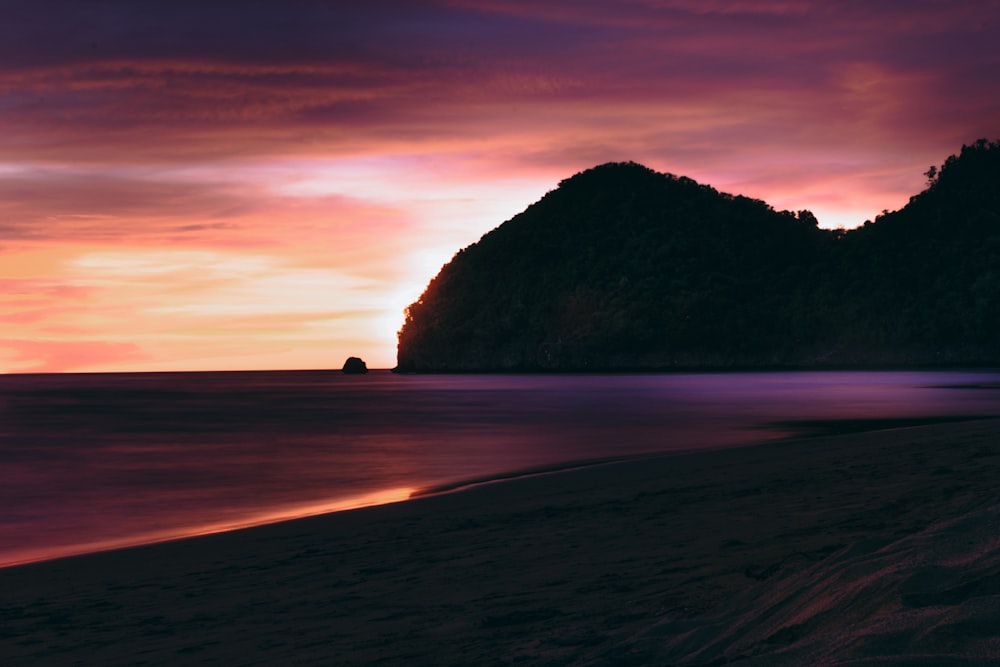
(355, 366)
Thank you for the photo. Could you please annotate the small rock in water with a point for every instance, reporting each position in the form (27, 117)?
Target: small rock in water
(355, 365)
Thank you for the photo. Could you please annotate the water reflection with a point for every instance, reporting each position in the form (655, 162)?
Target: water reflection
(96, 459)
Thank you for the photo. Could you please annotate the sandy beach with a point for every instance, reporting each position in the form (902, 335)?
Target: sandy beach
(878, 547)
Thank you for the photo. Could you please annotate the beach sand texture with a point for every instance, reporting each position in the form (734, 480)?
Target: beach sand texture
(867, 548)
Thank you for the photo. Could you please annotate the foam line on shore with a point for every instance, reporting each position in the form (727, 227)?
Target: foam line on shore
(533, 471)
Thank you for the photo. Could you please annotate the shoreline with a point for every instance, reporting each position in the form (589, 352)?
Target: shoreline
(347, 504)
(985, 367)
(710, 369)
(627, 561)
(797, 429)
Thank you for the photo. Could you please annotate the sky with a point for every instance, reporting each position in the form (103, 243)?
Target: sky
(223, 184)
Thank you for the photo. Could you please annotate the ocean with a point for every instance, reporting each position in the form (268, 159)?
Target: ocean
(96, 461)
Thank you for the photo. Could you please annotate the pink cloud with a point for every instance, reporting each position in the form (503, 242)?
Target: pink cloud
(42, 356)
(372, 140)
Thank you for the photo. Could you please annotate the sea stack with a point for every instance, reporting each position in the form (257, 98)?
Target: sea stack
(355, 366)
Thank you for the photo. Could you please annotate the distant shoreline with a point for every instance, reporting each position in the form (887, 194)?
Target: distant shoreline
(541, 371)
(709, 369)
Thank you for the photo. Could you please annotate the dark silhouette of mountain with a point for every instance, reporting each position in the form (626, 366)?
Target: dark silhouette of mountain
(624, 268)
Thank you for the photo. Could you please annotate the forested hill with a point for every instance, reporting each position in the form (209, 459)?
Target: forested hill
(624, 268)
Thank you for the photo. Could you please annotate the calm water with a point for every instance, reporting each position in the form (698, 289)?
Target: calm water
(93, 461)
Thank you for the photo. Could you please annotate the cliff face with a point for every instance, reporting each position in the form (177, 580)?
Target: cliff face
(624, 268)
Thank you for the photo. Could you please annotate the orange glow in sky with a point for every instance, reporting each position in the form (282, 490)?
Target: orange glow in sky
(203, 187)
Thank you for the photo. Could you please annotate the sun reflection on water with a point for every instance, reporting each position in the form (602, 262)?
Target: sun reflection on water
(383, 497)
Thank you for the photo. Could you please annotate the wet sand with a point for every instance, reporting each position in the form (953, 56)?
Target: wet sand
(867, 548)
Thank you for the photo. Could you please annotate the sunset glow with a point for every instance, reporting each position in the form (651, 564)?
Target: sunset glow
(264, 186)
(31, 555)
